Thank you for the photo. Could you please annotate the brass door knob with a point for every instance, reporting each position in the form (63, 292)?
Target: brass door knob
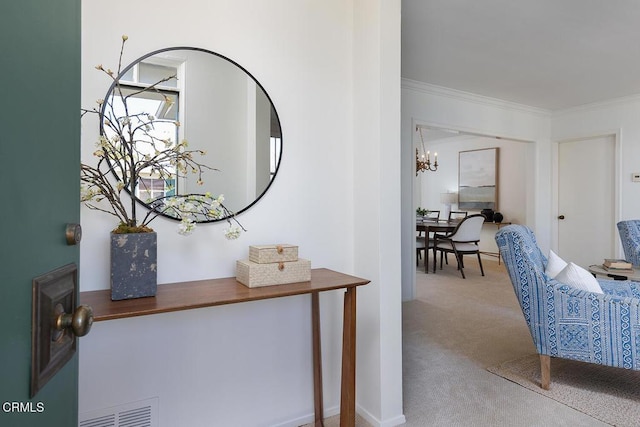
(79, 322)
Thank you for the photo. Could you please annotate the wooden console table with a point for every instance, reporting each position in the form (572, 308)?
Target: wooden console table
(207, 293)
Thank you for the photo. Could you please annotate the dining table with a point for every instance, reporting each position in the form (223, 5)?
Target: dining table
(433, 226)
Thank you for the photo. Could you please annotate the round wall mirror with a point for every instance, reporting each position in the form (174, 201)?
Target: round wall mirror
(218, 108)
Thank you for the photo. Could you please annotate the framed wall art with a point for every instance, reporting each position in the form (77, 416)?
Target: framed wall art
(478, 179)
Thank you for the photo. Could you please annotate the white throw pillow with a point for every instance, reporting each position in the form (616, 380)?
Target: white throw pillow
(579, 278)
(555, 265)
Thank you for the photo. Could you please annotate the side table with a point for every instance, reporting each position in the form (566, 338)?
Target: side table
(598, 269)
(499, 225)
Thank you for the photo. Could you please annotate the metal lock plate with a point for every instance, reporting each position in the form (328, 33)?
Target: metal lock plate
(54, 293)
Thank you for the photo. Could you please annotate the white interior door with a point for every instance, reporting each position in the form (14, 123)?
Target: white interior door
(586, 200)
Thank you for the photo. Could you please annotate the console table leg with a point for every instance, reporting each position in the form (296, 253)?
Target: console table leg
(317, 360)
(348, 386)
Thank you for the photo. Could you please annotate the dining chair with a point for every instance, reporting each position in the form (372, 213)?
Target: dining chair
(457, 215)
(433, 215)
(463, 240)
(420, 247)
(454, 216)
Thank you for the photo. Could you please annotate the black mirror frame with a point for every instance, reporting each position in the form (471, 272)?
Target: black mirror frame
(155, 52)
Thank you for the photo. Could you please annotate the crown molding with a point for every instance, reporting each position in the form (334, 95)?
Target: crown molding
(629, 99)
(431, 89)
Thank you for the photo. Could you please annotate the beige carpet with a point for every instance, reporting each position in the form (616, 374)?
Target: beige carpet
(452, 332)
(611, 395)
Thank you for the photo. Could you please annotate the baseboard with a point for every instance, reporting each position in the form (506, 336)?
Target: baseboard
(308, 419)
(371, 419)
(335, 410)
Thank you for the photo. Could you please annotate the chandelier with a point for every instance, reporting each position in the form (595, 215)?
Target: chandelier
(423, 163)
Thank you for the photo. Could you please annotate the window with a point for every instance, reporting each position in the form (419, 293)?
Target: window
(151, 188)
(152, 101)
(274, 155)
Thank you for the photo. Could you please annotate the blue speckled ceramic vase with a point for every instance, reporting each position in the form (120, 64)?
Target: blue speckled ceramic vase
(134, 272)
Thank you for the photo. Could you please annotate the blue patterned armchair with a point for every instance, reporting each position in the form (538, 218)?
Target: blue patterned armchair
(566, 322)
(630, 237)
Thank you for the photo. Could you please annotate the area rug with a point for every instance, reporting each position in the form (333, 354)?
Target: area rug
(611, 395)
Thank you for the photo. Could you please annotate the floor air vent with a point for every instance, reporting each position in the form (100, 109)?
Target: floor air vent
(137, 414)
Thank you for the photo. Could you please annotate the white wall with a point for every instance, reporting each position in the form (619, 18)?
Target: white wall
(513, 161)
(446, 108)
(318, 63)
(451, 109)
(619, 117)
(376, 197)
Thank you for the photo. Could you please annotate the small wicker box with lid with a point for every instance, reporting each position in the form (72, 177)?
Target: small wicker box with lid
(272, 265)
(265, 254)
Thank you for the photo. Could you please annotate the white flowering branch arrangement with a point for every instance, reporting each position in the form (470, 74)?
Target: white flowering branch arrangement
(194, 208)
(126, 149)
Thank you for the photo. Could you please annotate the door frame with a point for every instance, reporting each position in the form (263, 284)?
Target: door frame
(617, 183)
(409, 277)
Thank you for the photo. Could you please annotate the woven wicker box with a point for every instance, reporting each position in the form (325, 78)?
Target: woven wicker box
(253, 274)
(265, 254)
